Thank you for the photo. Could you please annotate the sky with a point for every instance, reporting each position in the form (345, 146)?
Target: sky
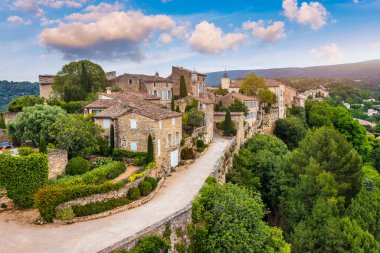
(132, 36)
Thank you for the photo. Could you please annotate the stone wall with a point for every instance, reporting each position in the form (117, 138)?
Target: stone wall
(57, 161)
(5, 202)
(176, 76)
(180, 219)
(46, 90)
(9, 116)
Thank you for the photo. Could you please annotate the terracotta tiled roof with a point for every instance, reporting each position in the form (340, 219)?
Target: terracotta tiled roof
(46, 79)
(130, 103)
(236, 83)
(142, 78)
(272, 83)
(242, 97)
(102, 103)
(204, 100)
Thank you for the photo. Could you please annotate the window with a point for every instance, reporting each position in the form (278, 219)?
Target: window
(106, 123)
(158, 148)
(163, 95)
(134, 145)
(96, 111)
(129, 81)
(149, 92)
(160, 124)
(133, 124)
(173, 121)
(169, 140)
(169, 95)
(123, 143)
(177, 138)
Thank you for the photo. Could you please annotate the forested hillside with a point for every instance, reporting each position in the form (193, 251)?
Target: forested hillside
(10, 90)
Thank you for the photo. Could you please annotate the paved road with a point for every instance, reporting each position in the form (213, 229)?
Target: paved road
(95, 235)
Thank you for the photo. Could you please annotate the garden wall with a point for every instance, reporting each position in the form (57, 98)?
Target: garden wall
(57, 161)
(5, 202)
(199, 133)
(180, 219)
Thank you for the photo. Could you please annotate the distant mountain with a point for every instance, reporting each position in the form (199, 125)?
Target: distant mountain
(368, 70)
(10, 90)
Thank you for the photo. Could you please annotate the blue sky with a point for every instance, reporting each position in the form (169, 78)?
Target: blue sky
(40, 36)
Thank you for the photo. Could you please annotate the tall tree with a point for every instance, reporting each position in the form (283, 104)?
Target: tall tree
(227, 131)
(238, 106)
(267, 96)
(172, 105)
(182, 87)
(76, 80)
(291, 130)
(251, 85)
(150, 156)
(112, 138)
(42, 148)
(2, 121)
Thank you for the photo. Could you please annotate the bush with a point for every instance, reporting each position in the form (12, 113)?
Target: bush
(151, 166)
(136, 176)
(134, 193)
(200, 143)
(65, 214)
(99, 207)
(126, 153)
(48, 198)
(220, 126)
(145, 188)
(187, 154)
(22, 176)
(152, 181)
(77, 166)
(96, 176)
(151, 244)
(100, 161)
(139, 160)
(25, 151)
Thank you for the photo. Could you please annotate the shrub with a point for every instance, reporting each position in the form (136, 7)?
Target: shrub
(145, 188)
(127, 153)
(96, 176)
(187, 154)
(77, 166)
(25, 151)
(65, 214)
(134, 193)
(182, 142)
(100, 161)
(136, 176)
(22, 176)
(48, 198)
(139, 160)
(151, 244)
(152, 181)
(151, 166)
(99, 207)
(200, 143)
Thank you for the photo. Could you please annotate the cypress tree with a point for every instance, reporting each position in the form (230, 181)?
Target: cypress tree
(150, 156)
(177, 109)
(2, 122)
(112, 139)
(227, 130)
(172, 106)
(42, 148)
(85, 79)
(182, 87)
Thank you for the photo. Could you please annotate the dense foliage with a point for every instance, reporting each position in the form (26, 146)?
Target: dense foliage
(251, 85)
(291, 130)
(77, 166)
(12, 90)
(17, 104)
(182, 87)
(149, 244)
(76, 81)
(99, 207)
(22, 176)
(235, 106)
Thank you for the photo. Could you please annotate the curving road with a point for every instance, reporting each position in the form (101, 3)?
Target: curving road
(92, 236)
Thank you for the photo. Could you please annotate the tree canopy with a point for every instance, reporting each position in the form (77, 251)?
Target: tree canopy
(291, 130)
(77, 80)
(17, 104)
(251, 85)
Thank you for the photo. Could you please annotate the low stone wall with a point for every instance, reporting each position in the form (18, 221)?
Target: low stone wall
(57, 161)
(199, 133)
(5, 202)
(181, 218)
(134, 204)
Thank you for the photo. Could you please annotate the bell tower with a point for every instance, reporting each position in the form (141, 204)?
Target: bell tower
(225, 81)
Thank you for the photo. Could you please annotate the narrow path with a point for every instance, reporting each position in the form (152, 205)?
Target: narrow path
(95, 235)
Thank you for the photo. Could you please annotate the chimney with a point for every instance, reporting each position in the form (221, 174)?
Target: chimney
(109, 91)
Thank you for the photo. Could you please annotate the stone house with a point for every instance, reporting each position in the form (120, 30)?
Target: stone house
(134, 119)
(207, 106)
(46, 83)
(195, 81)
(278, 88)
(152, 86)
(230, 85)
(252, 103)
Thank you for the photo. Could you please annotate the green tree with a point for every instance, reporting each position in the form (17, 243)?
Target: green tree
(266, 142)
(112, 138)
(35, 121)
(2, 121)
(238, 106)
(172, 105)
(297, 111)
(42, 147)
(251, 85)
(177, 109)
(227, 129)
(150, 156)
(17, 104)
(76, 80)
(182, 87)
(195, 117)
(230, 219)
(267, 96)
(219, 107)
(291, 130)
(77, 134)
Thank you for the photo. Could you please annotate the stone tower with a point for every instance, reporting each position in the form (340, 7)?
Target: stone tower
(225, 81)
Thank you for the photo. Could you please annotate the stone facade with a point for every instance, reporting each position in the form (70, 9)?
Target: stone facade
(238, 118)
(195, 81)
(46, 83)
(278, 89)
(57, 161)
(5, 202)
(290, 94)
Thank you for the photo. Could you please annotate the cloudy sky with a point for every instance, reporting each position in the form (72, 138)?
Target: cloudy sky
(40, 36)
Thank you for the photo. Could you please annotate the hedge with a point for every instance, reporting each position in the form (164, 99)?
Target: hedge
(96, 176)
(22, 176)
(77, 166)
(25, 151)
(48, 198)
(128, 154)
(134, 193)
(99, 207)
(152, 181)
(145, 188)
(149, 244)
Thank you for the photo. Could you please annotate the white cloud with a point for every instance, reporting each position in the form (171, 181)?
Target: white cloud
(313, 14)
(330, 52)
(36, 6)
(271, 33)
(181, 30)
(102, 33)
(17, 20)
(165, 38)
(47, 22)
(207, 38)
(376, 45)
